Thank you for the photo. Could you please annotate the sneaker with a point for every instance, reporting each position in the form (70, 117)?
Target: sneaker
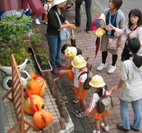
(76, 111)
(42, 21)
(80, 114)
(111, 69)
(101, 66)
(95, 131)
(104, 127)
(37, 21)
(56, 72)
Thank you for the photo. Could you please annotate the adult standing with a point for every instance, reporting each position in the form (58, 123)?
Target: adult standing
(88, 13)
(115, 17)
(131, 83)
(53, 30)
(132, 29)
(37, 19)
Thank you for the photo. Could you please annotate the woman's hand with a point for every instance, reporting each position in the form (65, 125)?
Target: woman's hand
(110, 27)
(71, 26)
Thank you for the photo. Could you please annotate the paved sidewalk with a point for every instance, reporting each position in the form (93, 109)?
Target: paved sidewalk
(86, 42)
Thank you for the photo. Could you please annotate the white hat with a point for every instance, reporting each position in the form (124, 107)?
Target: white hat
(102, 20)
(56, 2)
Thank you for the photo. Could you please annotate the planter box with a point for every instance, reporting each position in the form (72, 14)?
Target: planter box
(42, 71)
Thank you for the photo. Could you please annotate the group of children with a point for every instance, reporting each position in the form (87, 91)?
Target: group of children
(73, 71)
(46, 6)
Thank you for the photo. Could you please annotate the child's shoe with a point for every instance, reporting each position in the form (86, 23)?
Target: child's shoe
(75, 101)
(80, 114)
(106, 128)
(76, 111)
(95, 131)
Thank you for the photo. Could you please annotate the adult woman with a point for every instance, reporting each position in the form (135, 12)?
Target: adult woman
(52, 34)
(88, 14)
(116, 17)
(133, 29)
(131, 83)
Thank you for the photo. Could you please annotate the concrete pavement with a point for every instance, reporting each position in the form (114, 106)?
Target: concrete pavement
(86, 42)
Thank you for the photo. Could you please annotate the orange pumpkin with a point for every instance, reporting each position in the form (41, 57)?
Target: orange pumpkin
(42, 118)
(37, 85)
(36, 100)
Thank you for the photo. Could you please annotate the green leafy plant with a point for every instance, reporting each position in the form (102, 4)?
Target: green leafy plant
(13, 36)
(39, 48)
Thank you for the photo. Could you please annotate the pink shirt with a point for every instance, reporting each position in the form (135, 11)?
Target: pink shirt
(135, 34)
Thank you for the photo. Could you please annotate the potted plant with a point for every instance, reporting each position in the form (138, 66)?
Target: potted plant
(13, 34)
(41, 53)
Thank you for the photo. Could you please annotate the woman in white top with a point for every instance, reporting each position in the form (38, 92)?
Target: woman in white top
(133, 29)
(131, 83)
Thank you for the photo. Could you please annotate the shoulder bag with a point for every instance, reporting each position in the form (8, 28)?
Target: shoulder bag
(64, 33)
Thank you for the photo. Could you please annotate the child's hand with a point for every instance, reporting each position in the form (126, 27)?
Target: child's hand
(114, 88)
(77, 97)
(86, 113)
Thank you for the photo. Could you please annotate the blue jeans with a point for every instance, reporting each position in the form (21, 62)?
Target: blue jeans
(136, 105)
(54, 43)
(88, 13)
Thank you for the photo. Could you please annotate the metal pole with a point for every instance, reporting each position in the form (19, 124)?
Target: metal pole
(2, 127)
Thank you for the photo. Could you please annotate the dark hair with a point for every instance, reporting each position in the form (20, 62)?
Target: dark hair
(100, 90)
(79, 51)
(134, 46)
(117, 3)
(135, 12)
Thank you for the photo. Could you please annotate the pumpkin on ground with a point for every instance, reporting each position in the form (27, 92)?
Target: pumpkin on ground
(36, 100)
(37, 85)
(42, 118)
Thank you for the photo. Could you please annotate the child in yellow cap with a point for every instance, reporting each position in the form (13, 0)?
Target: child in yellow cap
(70, 53)
(100, 87)
(80, 64)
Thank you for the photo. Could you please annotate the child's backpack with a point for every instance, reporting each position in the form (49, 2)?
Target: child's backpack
(86, 85)
(104, 104)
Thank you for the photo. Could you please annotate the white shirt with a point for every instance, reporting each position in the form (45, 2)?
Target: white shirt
(132, 89)
(82, 78)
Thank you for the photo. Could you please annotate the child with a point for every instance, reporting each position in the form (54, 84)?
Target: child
(80, 64)
(70, 53)
(98, 84)
(47, 7)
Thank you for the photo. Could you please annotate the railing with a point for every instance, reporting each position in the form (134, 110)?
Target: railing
(17, 92)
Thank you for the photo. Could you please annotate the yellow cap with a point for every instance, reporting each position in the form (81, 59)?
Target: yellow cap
(97, 81)
(78, 62)
(99, 32)
(71, 51)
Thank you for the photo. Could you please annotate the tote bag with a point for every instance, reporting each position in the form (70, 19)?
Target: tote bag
(65, 33)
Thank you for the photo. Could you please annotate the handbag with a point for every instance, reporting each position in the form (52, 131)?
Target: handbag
(64, 33)
(112, 44)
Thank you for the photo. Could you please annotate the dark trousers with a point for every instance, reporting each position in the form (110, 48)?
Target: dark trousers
(88, 13)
